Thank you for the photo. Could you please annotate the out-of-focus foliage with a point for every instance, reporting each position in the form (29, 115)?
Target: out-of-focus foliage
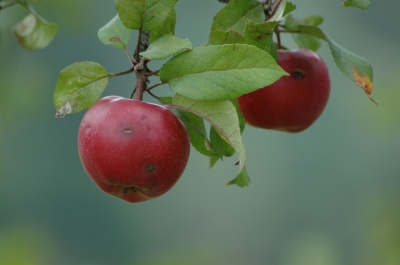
(24, 245)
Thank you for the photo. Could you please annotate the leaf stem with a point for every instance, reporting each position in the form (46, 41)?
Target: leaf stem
(278, 39)
(153, 73)
(132, 69)
(288, 31)
(278, 2)
(133, 62)
(151, 94)
(153, 86)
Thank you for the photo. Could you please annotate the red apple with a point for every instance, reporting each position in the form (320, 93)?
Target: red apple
(293, 103)
(132, 149)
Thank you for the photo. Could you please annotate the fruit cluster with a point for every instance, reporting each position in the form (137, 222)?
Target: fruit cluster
(137, 151)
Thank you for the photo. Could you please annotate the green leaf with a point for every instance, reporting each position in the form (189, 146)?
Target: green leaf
(351, 65)
(234, 15)
(242, 180)
(196, 129)
(304, 41)
(283, 9)
(213, 161)
(289, 7)
(362, 4)
(219, 145)
(79, 86)
(261, 36)
(156, 16)
(34, 33)
(221, 115)
(219, 72)
(242, 121)
(197, 133)
(165, 47)
(115, 33)
(219, 37)
(312, 20)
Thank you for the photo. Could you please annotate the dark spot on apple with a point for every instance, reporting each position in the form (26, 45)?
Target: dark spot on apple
(150, 168)
(298, 73)
(129, 188)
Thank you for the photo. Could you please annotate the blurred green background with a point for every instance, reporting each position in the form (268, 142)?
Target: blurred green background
(327, 196)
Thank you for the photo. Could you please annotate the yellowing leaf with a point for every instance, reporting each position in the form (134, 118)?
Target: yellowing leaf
(363, 81)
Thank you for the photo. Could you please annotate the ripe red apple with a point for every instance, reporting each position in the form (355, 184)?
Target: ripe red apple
(132, 149)
(293, 103)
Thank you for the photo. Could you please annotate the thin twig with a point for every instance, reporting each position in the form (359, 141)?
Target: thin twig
(275, 8)
(289, 31)
(132, 69)
(278, 39)
(133, 62)
(151, 94)
(133, 93)
(153, 73)
(155, 85)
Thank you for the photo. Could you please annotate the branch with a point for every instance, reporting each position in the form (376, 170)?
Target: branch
(140, 87)
(142, 44)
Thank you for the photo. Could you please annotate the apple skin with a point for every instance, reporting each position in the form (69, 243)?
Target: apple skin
(132, 149)
(293, 103)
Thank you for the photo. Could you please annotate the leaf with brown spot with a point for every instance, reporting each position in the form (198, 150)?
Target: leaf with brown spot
(358, 69)
(115, 33)
(364, 82)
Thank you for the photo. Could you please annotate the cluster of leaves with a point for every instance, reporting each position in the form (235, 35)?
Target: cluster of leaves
(239, 57)
(33, 32)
